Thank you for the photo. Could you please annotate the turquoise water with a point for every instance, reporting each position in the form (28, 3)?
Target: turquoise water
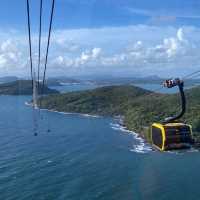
(85, 158)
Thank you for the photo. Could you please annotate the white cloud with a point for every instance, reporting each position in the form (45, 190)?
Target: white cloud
(180, 34)
(87, 57)
(10, 55)
(96, 52)
(132, 49)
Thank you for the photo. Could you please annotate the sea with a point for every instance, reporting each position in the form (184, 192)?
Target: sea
(83, 157)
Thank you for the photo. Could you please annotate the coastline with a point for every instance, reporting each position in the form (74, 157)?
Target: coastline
(65, 113)
(119, 119)
(71, 113)
(141, 146)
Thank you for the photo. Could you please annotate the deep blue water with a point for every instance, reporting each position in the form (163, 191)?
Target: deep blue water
(85, 158)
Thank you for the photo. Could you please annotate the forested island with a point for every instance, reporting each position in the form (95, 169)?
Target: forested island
(138, 107)
(23, 87)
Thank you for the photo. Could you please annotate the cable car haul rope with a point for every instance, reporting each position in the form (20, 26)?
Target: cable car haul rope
(37, 87)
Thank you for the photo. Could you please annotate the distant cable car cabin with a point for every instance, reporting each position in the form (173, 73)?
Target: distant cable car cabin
(172, 134)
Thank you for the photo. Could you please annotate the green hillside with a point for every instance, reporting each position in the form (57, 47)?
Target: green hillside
(139, 111)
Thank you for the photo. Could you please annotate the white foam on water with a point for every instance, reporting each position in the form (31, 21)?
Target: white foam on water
(69, 113)
(87, 115)
(193, 150)
(66, 113)
(141, 146)
(27, 103)
(182, 152)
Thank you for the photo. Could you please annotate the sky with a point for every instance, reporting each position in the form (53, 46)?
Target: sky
(103, 37)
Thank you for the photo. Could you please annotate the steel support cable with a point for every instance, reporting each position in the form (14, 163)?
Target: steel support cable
(186, 77)
(46, 56)
(39, 52)
(195, 76)
(47, 51)
(39, 58)
(31, 65)
(153, 92)
(191, 75)
(161, 97)
(39, 42)
(48, 43)
(30, 43)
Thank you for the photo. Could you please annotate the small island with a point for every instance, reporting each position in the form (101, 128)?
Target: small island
(23, 87)
(138, 111)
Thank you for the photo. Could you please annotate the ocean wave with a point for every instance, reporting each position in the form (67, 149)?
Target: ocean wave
(183, 151)
(31, 105)
(70, 113)
(141, 146)
(27, 103)
(88, 115)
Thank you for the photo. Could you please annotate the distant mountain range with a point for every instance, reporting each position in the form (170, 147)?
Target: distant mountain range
(22, 87)
(7, 79)
(59, 81)
(100, 80)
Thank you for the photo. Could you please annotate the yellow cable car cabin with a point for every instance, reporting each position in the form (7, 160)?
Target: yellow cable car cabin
(171, 134)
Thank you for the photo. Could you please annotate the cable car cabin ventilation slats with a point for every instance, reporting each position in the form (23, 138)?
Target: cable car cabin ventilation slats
(165, 138)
